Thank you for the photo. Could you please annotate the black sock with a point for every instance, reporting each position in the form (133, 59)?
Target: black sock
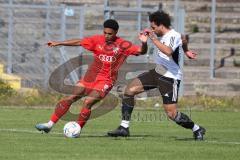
(127, 107)
(183, 120)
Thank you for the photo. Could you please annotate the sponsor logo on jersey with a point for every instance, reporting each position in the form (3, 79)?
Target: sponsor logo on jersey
(106, 58)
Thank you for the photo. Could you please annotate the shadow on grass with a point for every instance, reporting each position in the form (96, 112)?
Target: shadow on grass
(132, 137)
(183, 138)
(191, 139)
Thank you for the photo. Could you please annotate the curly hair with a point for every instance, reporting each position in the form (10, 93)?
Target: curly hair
(160, 17)
(111, 23)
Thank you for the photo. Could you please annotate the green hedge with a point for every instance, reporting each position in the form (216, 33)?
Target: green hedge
(5, 89)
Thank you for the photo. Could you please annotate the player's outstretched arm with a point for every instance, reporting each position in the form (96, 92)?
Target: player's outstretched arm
(188, 53)
(71, 42)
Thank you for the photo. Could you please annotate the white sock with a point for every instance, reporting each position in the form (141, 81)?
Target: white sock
(125, 123)
(50, 124)
(195, 127)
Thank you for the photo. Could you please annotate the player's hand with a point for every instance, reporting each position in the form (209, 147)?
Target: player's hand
(191, 54)
(148, 32)
(52, 43)
(142, 37)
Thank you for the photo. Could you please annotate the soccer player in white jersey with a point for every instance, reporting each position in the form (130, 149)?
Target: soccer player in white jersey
(166, 76)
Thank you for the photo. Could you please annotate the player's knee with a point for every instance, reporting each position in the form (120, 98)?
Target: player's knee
(170, 115)
(131, 91)
(89, 102)
(171, 110)
(128, 92)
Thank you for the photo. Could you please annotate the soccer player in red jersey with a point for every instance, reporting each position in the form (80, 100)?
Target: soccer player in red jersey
(109, 52)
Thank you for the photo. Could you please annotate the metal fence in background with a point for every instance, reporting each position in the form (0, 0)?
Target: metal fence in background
(25, 28)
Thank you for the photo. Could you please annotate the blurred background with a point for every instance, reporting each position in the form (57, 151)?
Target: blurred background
(212, 27)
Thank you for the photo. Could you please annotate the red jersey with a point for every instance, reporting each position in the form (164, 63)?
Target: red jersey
(108, 57)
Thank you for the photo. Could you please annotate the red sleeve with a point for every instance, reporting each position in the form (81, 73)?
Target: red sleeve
(88, 43)
(132, 49)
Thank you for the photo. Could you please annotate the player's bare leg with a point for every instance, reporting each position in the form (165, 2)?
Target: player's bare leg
(133, 88)
(184, 121)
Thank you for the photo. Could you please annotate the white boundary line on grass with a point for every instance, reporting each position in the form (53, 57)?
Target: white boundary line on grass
(25, 131)
(58, 133)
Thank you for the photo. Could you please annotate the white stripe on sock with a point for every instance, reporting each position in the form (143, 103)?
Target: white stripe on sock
(50, 124)
(195, 127)
(125, 123)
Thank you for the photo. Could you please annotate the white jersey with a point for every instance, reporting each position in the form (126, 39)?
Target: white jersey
(171, 64)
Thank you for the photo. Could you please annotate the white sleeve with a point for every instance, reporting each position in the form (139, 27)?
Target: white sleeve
(173, 41)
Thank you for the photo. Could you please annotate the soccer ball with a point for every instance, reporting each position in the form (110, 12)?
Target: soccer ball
(72, 129)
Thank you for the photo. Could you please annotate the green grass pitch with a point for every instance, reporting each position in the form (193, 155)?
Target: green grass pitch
(152, 138)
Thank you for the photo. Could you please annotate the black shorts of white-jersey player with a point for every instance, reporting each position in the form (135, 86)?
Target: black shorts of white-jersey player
(166, 77)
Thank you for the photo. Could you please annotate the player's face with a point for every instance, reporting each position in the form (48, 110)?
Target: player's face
(109, 34)
(157, 29)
